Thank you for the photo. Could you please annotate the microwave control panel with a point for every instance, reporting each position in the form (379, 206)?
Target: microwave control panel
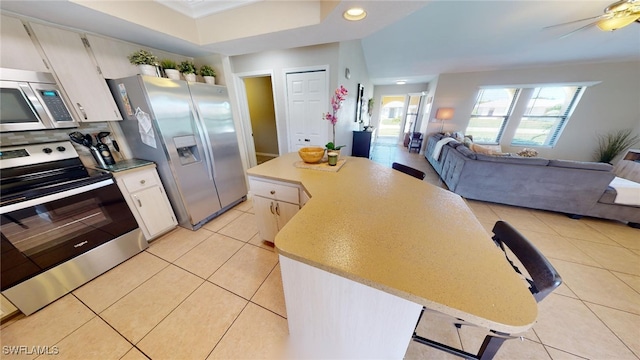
(55, 105)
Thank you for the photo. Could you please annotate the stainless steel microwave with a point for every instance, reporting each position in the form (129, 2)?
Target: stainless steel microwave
(31, 100)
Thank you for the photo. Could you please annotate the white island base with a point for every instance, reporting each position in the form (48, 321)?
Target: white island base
(333, 317)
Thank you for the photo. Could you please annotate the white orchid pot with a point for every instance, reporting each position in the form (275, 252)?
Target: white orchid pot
(172, 74)
(210, 79)
(189, 77)
(148, 70)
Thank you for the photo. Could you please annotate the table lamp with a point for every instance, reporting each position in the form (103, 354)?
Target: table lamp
(444, 114)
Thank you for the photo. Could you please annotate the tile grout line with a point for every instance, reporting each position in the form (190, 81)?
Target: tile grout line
(108, 324)
(609, 328)
(227, 329)
(168, 314)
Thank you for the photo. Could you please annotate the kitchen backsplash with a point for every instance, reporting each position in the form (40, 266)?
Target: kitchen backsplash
(41, 136)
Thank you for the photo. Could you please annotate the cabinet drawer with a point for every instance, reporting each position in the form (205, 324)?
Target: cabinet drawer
(139, 180)
(276, 191)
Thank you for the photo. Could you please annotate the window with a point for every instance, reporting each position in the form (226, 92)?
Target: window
(490, 114)
(546, 114)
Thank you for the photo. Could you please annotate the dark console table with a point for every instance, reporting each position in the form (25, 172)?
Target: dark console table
(362, 143)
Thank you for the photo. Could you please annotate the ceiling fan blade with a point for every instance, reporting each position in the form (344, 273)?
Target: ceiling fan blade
(578, 29)
(573, 22)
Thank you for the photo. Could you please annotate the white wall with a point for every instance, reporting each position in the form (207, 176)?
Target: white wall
(277, 62)
(351, 56)
(336, 57)
(610, 105)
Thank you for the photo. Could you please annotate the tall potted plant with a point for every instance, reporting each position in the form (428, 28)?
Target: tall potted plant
(336, 102)
(613, 143)
(188, 70)
(145, 61)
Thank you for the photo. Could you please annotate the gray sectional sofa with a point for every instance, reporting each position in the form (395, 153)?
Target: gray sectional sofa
(571, 187)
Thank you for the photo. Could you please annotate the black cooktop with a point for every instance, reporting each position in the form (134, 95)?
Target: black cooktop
(34, 181)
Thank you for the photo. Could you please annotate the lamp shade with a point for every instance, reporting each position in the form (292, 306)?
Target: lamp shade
(444, 114)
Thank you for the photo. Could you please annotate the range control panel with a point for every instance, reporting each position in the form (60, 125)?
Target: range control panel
(22, 155)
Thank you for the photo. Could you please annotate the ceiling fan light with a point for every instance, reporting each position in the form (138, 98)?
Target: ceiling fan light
(618, 6)
(617, 22)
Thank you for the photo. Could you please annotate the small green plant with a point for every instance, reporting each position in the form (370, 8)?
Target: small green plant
(143, 57)
(613, 143)
(331, 146)
(207, 70)
(168, 64)
(187, 67)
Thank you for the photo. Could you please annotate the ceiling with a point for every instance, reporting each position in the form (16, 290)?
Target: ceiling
(409, 40)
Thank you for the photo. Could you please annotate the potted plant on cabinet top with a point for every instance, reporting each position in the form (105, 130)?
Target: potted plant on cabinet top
(145, 61)
(208, 74)
(188, 70)
(336, 102)
(170, 68)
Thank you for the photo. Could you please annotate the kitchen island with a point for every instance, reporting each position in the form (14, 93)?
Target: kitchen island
(372, 247)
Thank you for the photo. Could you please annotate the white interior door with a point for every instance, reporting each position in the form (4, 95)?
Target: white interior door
(307, 101)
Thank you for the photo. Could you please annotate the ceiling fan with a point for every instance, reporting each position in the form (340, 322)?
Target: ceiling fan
(617, 15)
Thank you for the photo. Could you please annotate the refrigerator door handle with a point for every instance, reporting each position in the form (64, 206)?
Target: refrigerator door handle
(204, 137)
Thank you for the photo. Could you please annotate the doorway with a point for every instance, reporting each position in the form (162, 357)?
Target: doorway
(391, 115)
(262, 114)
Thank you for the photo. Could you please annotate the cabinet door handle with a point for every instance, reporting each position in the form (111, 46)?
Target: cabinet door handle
(138, 200)
(271, 207)
(278, 209)
(272, 192)
(84, 113)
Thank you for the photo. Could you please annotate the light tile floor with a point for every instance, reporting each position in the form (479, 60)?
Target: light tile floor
(217, 294)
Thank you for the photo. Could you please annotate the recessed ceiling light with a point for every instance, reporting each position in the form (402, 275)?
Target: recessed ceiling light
(401, 82)
(355, 14)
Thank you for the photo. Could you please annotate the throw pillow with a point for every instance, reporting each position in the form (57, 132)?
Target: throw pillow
(479, 149)
(458, 136)
(526, 152)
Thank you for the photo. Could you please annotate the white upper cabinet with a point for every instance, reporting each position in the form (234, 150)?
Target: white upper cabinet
(77, 73)
(17, 51)
(112, 56)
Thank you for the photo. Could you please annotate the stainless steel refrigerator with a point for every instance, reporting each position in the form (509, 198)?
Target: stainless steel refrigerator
(187, 129)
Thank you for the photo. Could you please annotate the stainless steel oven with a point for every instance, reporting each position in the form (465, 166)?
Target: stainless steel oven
(31, 100)
(61, 224)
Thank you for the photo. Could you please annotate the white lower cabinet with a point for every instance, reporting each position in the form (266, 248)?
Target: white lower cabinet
(274, 204)
(272, 215)
(147, 200)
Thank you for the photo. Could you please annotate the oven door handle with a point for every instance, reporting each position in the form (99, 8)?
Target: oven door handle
(52, 197)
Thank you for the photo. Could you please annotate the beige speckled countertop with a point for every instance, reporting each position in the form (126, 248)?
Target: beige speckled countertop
(387, 230)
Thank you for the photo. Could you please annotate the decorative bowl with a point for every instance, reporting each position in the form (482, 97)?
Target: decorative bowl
(311, 154)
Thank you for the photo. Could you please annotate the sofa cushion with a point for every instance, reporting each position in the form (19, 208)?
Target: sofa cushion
(466, 151)
(587, 165)
(514, 160)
